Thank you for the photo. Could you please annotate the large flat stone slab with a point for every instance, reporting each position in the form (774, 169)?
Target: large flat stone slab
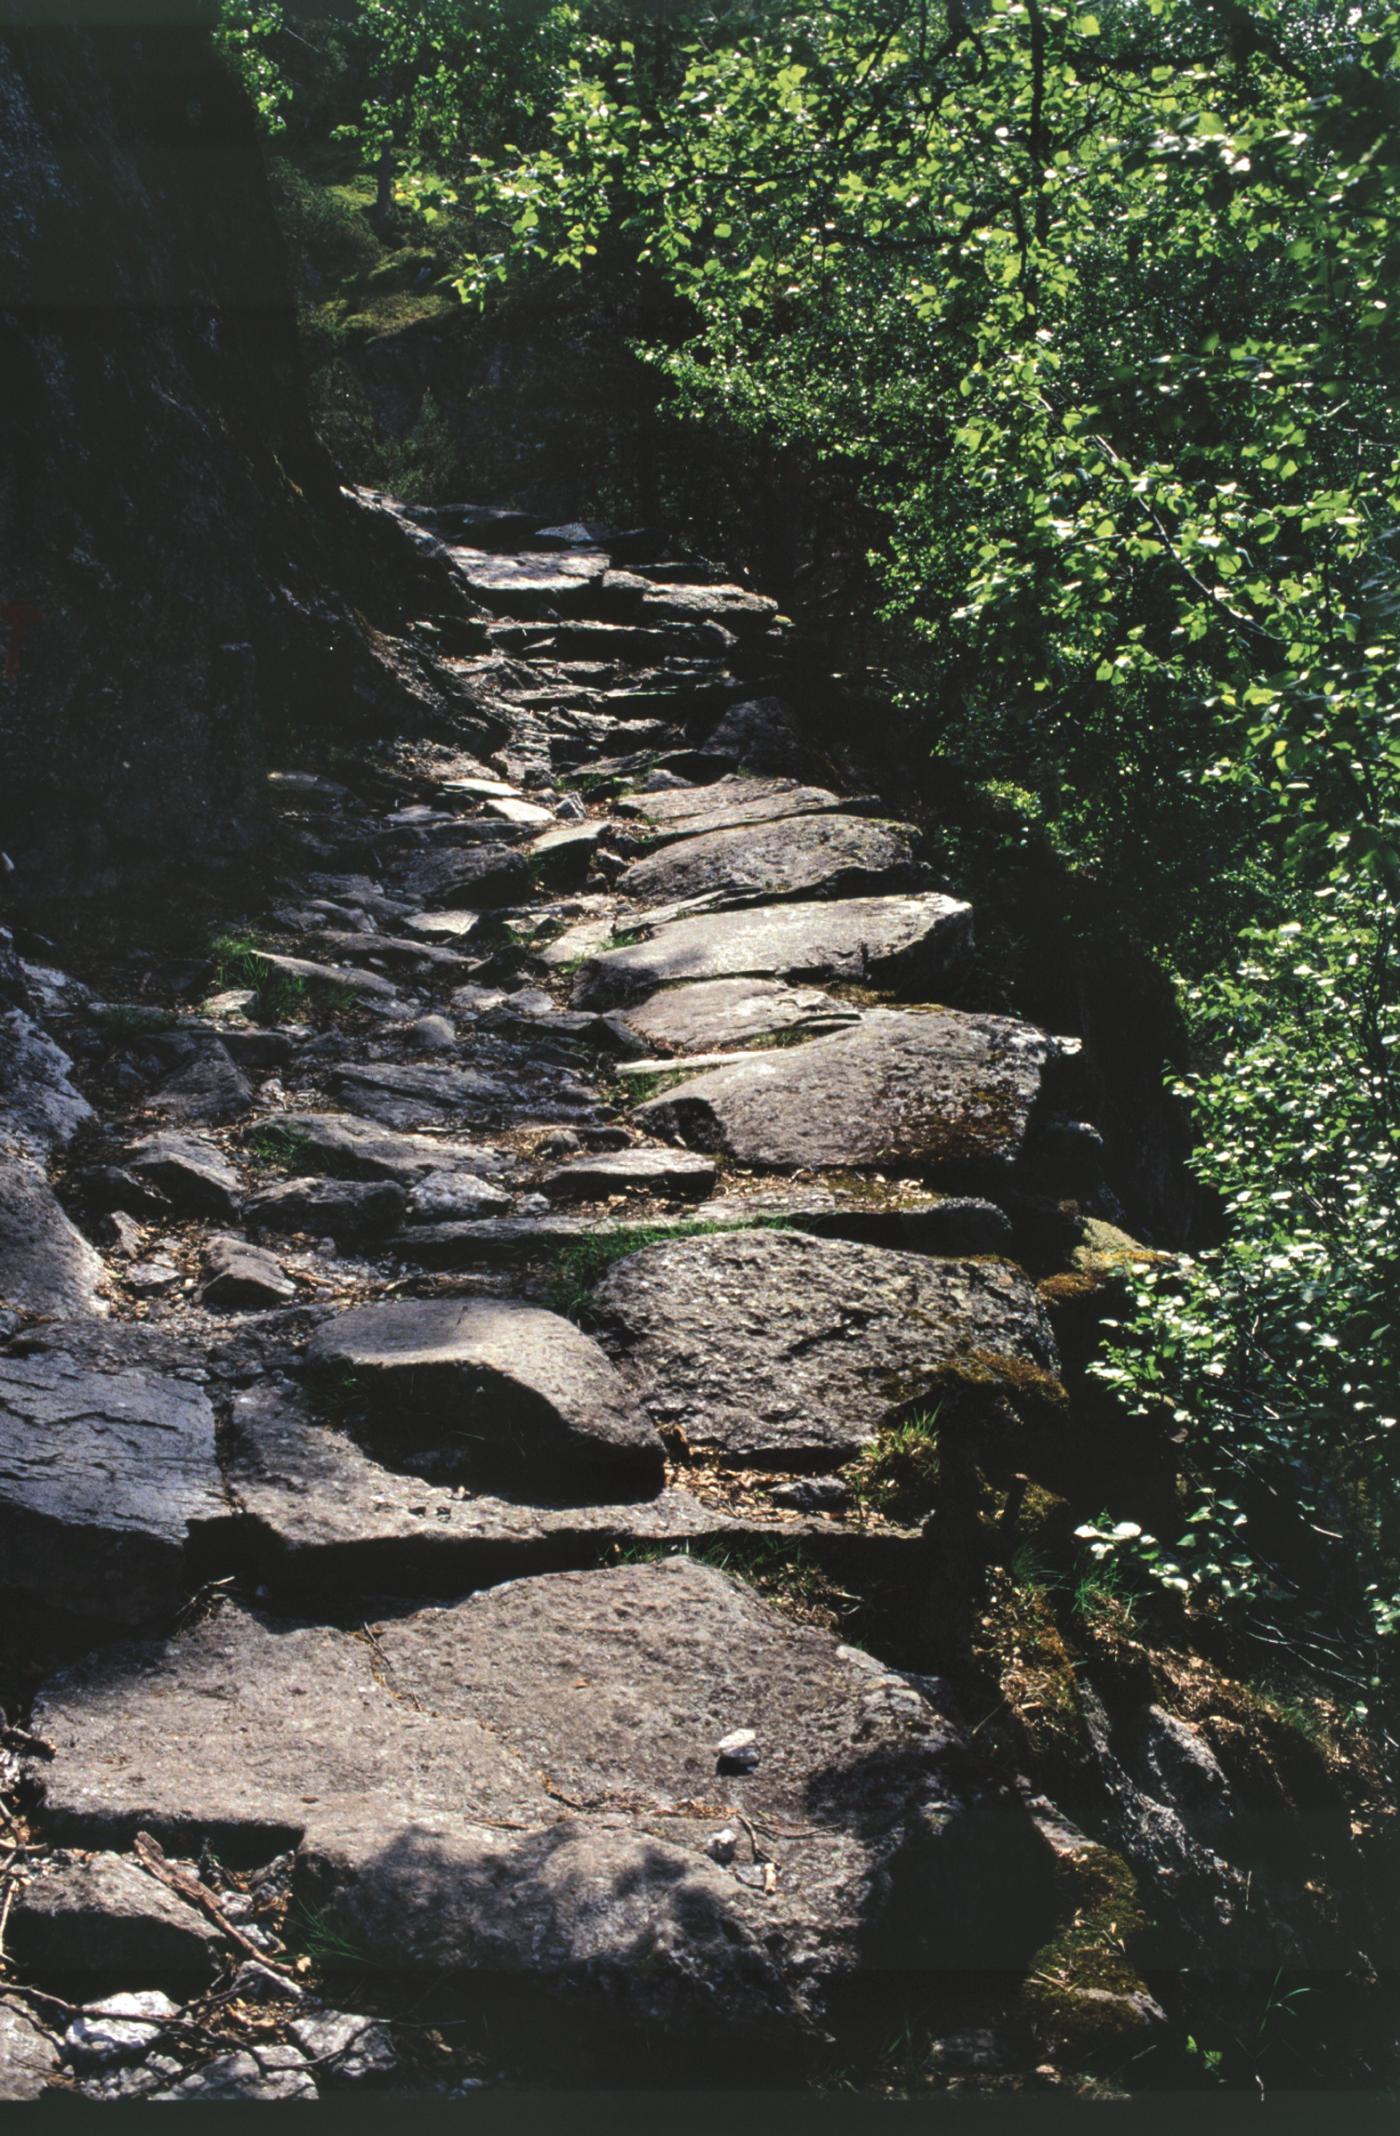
(805, 856)
(713, 1014)
(104, 1477)
(524, 1784)
(350, 1148)
(945, 1093)
(908, 941)
(775, 1349)
(490, 1388)
(409, 1094)
(104, 1914)
(684, 812)
(322, 1516)
(46, 1265)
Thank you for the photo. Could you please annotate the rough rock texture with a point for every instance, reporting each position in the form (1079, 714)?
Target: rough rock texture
(103, 1475)
(337, 1208)
(208, 1090)
(778, 1349)
(409, 1095)
(941, 1091)
(39, 1108)
(899, 940)
(490, 874)
(664, 1172)
(322, 1512)
(528, 1786)
(105, 1914)
(350, 1149)
(808, 856)
(28, 2057)
(239, 1276)
(492, 1387)
(685, 810)
(715, 1013)
(194, 1175)
(46, 1265)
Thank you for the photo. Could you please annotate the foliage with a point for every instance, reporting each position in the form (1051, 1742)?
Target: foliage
(898, 1473)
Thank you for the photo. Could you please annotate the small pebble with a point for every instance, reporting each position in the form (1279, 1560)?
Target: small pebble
(738, 1751)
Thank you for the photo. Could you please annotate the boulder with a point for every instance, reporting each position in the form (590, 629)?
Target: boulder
(46, 1265)
(946, 1093)
(803, 856)
(717, 1013)
(493, 872)
(104, 1914)
(524, 1784)
(562, 857)
(348, 1148)
(489, 1387)
(335, 978)
(194, 1175)
(764, 732)
(775, 1349)
(334, 1208)
(671, 1174)
(238, 1276)
(906, 941)
(452, 1196)
(208, 1090)
(105, 1475)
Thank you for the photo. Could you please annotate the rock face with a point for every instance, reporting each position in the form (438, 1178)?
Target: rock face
(237, 1275)
(339, 1208)
(410, 1095)
(687, 810)
(804, 856)
(350, 1149)
(947, 1093)
(712, 1014)
(105, 1914)
(529, 1789)
(193, 1175)
(899, 940)
(779, 1350)
(46, 1265)
(103, 1477)
(492, 1388)
(28, 2057)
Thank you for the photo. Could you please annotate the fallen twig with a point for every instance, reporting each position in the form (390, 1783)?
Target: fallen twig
(151, 1857)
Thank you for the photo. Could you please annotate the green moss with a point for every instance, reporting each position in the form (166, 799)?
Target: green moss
(1083, 1994)
(576, 1266)
(282, 1149)
(898, 1473)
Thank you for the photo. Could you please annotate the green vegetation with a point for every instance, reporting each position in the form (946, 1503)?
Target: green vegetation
(580, 1263)
(1079, 326)
(282, 1149)
(897, 1474)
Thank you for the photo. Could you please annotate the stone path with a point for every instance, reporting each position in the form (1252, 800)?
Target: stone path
(435, 1421)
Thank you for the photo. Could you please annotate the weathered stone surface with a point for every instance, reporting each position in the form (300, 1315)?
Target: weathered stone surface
(491, 873)
(339, 1208)
(346, 2047)
(764, 732)
(104, 1914)
(529, 1789)
(103, 1475)
(410, 1095)
(895, 940)
(238, 1275)
(209, 1090)
(681, 811)
(347, 1148)
(324, 1516)
(420, 955)
(804, 856)
(530, 585)
(28, 2056)
(716, 1013)
(263, 2073)
(739, 611)
(669, 1173)
(492, 1388)
(194, 1175)
(445, 926)
(46, 1265)
(778, 1349)
(40, 1110)
(343, 978)
(906, 1218)
(946, 1092)
(564, 856)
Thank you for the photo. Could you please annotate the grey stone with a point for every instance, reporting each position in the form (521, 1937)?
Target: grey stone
(445, 926)
(803, 856)
(194, 1175)
(525, 1782)
(672, 1174)
(421, 956)
(871, 1214)
(408, 1095)
(910, 941)
(348, 1148)
(28, 2056)
(435, 1034)
(40, 1110)
(262, 2074)
(123, 2028)
(454, 1196)
(323, 1515)
(775, 1349)
(209, 1090)
(529, 585)
(491, 1387)
(106, 1915)
(949, 1093)
(739, 611)
(346, 2046)
(103, 1477)
(329, 1208)
(238, 1275)
(258, 1983)
(563, 857)
(491, 873)
(813, 1494)
(715, 1013)
(147, 1278)
(763, 732)
(345, 978)
(680, 810)
(46, 1265)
